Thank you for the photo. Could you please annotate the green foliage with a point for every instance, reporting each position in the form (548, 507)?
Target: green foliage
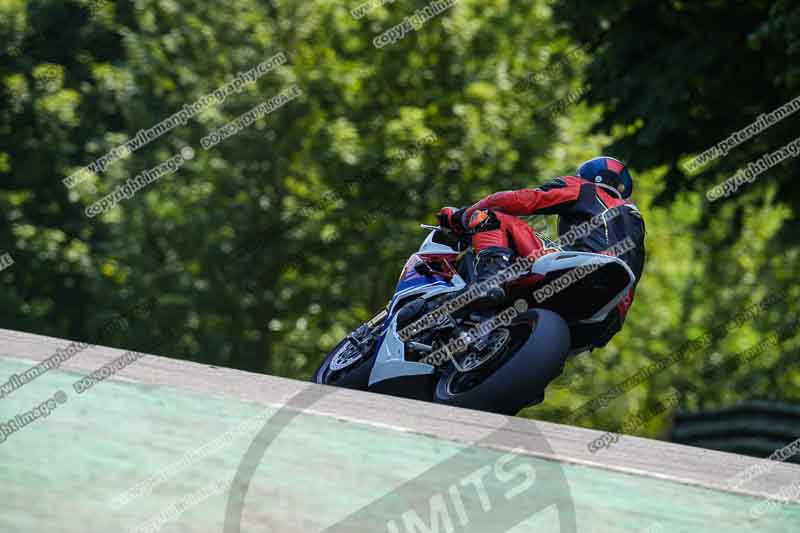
(668, 81)
(263, 251)
(317, 182)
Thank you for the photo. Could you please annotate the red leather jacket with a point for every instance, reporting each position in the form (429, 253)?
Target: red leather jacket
(576, 200)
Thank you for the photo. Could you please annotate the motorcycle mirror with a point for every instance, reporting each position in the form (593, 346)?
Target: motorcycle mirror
(428, 226)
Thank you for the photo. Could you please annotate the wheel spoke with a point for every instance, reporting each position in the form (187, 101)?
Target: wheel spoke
(497, 341)
(345, 356)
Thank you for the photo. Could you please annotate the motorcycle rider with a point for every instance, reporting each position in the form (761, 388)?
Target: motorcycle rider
(600, 184)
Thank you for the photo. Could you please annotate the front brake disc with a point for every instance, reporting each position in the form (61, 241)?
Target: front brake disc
(346, 355)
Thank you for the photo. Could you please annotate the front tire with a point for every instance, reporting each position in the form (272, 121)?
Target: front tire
(520, 377)
(355, 376)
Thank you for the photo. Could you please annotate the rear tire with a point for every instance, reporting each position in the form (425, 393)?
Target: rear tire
(522, 376)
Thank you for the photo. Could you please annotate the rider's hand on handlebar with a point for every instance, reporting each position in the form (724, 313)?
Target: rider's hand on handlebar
(452, 218)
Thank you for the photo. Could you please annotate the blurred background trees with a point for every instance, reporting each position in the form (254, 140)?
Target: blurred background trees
(263, 251)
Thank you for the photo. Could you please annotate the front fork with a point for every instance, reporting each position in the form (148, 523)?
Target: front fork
(379, 318)
(357, 337)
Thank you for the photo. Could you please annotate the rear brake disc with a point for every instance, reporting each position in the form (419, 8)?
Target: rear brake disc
(498, 339)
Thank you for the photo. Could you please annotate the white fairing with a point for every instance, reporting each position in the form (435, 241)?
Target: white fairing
(392, 349)
(436, 288)
(569, 260)
(430, 247)
(429, 290)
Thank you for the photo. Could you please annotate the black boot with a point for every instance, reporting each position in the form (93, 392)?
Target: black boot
(488, 264)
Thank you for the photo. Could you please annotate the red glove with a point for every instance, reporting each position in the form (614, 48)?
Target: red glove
(452, 218)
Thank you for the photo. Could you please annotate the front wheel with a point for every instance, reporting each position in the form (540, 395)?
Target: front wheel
(516, 378)
(345, 366)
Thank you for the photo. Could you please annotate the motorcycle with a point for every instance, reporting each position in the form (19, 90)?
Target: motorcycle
(428, 343)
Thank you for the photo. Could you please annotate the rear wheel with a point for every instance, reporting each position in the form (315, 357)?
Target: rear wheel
(517, 376)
